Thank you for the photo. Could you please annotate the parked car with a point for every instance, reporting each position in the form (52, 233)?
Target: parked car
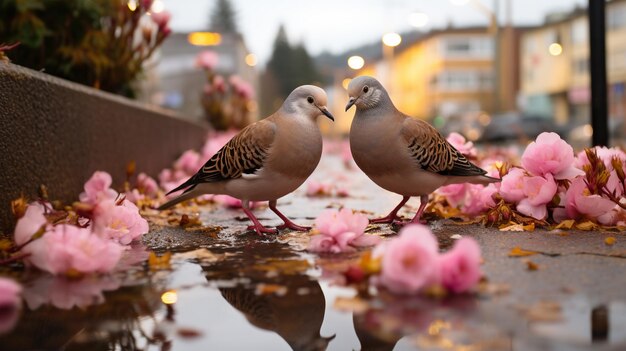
(514, 125)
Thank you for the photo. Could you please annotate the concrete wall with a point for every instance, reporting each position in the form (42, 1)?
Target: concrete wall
(58, 133)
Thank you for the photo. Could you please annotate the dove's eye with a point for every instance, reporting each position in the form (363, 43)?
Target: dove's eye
(366, 89)
(310, 99)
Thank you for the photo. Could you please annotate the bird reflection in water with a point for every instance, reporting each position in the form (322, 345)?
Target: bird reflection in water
(296, 316)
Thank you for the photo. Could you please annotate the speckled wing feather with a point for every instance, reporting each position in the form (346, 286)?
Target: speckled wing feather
(433, 152)
(243, 154)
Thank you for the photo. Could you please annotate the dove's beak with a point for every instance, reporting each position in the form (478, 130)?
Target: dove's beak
(326, 113)
(350, 103)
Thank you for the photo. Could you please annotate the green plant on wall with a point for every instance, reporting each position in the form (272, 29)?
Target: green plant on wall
(100, 43)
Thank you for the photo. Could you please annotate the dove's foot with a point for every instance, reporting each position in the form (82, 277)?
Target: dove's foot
(385, 220)
(288, 223)
(262, 230)
(293, 226)
(257, 226)
(393, 215)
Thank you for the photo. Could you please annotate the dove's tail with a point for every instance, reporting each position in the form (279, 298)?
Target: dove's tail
(480, 179)
(183, 197)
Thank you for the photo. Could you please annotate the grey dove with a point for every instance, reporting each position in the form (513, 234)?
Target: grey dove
(266, 160)
(401, 154)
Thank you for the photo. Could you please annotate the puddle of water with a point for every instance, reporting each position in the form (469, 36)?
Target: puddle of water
(265, 296)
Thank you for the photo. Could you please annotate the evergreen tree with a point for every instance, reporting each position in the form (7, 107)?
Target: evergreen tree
(223, 18)
(289, 67)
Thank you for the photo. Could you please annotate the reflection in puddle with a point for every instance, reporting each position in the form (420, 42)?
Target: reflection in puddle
(267, 297)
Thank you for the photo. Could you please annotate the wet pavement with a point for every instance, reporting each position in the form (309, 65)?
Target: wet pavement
(228, 289)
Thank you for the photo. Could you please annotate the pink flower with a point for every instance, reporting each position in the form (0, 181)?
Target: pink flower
(232, 202)
(454, 193)
(245, 90)
(66, 248)
(512, 185)
(539, 191)
(579, 203)
(32, 221)
(465, 147)
(188, 162)
(161, 18)
(207, 60)
(460, 267)
(315, 188)
(98, 188)
(340, 231)
(478, 198)
(219, 84)
(410, 261)
(120, 223)
(550, 154)
(147, 184)
(66, 294)
(10, 303)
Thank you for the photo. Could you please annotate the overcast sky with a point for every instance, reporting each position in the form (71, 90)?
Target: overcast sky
(338, 25)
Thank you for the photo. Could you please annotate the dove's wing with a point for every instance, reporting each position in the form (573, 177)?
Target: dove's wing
(433, 153)
(245, 153)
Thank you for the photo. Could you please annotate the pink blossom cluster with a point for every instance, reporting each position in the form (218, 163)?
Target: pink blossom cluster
(207, 59)
(10, 303)
(95, 245)
(472, 199)
(411, 262)
(552, 184)
(552, 178)
(341, 231)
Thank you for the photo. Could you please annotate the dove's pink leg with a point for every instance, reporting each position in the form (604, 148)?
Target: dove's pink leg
(288, 223)
(420, 210)
(258, 227)
(393, 215)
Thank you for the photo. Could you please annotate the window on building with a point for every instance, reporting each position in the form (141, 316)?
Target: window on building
(581, 66)
(467, 47)
(463, 80)
(616, 16)
(580, 31)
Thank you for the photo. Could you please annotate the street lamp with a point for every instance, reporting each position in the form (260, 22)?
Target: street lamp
(555, 49)
(356, 62)
(390, 41)
(418, 19)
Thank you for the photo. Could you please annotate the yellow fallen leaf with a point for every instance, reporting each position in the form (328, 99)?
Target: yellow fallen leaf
(267, 289)
(531, 266)
(159, 262)
(5, 244)
(354, 304)
(586, 226)
(512, 227)
(519, 252)
(369, 264)
(610, 240)
(566, 224)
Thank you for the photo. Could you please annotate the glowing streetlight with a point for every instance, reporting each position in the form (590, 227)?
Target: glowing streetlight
(392, 39)
(251, 60)
(356, 62)
(418, 19)
(132, 5)
(204, 38)
(555, 49)
(157, 6)
(169, 297)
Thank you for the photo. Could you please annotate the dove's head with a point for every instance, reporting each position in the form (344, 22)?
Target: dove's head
(365, 93)
(308, 100)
